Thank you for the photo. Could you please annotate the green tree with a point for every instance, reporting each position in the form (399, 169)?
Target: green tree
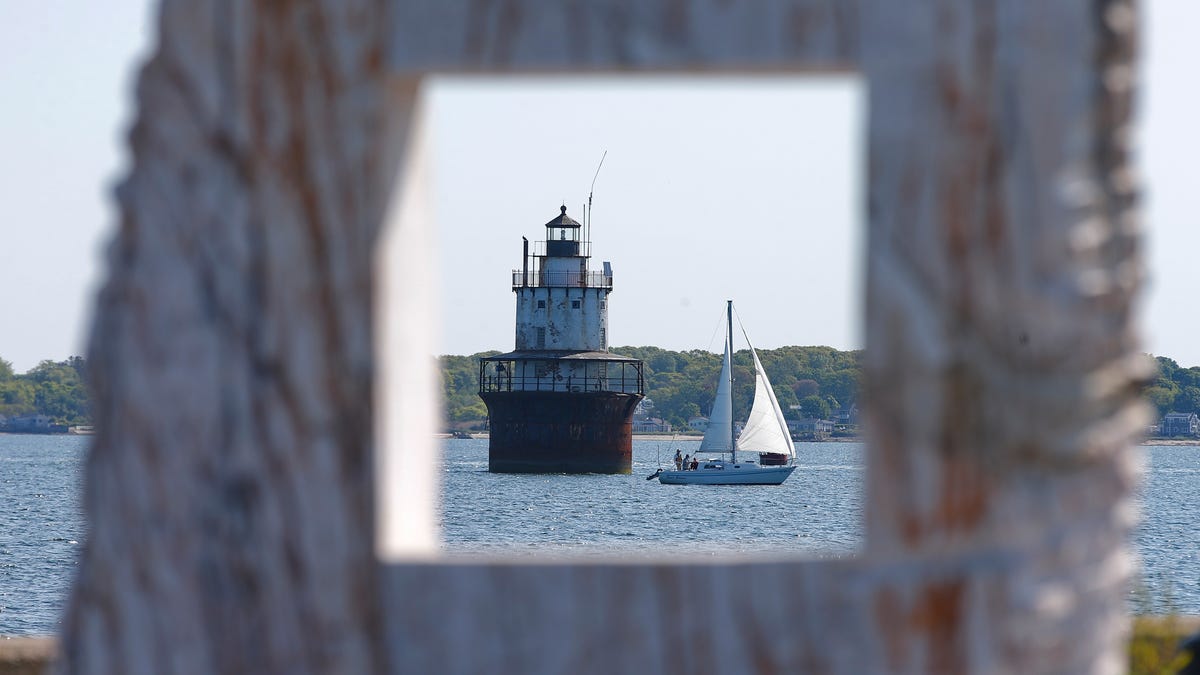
(787, 398)
(689, 411)
(17, 397)
(683, 384)
(57, 389)
(1168, 369)
(1162, 398)
(1188, 399)
(663, 362)
(814, 406)
(834, 404)
(842, 384)
(806, 387)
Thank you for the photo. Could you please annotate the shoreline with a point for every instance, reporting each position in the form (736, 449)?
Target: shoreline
(696, 439)
(669, 437)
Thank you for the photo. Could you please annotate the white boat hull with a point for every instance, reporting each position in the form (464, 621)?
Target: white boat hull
(726, 473)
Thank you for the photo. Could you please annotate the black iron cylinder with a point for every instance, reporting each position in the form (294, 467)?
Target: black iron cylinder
(560, 432)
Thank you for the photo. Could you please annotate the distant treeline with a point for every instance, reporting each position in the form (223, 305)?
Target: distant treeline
(818, 379)
(681, 384)
(1175, 389)
(56, 389)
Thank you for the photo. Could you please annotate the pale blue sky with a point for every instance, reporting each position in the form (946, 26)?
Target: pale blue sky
(691, 204)
(695, 203)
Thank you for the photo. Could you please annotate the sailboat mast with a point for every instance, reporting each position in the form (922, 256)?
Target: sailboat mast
(729, 341)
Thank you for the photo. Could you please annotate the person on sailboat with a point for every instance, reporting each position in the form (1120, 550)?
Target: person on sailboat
(678, 460)
(695, 464)
(685, 462)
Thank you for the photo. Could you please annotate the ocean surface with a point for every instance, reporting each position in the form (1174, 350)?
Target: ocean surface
(817, 513)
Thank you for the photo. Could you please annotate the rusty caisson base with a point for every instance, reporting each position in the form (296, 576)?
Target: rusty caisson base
(557, 432)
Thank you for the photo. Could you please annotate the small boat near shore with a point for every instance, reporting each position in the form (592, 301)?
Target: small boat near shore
(765, 433)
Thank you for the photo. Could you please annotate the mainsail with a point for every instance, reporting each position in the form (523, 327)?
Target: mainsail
(718, 437)
(766, 429)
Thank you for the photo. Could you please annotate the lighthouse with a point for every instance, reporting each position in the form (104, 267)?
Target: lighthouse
(560, 402)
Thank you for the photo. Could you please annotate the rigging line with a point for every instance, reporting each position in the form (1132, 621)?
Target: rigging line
(712, 338)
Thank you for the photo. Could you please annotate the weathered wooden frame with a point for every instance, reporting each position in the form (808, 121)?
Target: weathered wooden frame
(233, 529)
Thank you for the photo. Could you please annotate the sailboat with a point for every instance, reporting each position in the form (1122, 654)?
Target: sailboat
(765, 433)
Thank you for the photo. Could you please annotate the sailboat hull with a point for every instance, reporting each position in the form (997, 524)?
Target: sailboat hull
(717, 473)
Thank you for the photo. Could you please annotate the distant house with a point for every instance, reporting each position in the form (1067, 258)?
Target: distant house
(34, 424)
(698, 423)
(29, 423)
(644, 409)
(810, 429)
(652, 425)
(847, 415)
(1180, 424)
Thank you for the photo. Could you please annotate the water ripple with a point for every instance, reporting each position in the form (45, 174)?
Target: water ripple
(817, 513)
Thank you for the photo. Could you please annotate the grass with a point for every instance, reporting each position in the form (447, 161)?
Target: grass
(1154, 647)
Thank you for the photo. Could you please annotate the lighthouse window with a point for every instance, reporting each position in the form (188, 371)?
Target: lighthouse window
(574, 304)
(541, 304)
(541, 338)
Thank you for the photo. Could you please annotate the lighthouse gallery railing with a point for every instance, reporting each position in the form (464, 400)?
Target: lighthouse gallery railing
(535, 279)
(623, 377)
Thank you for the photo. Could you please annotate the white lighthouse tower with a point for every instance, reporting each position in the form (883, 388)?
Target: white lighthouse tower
(561, 403)
(561, 305)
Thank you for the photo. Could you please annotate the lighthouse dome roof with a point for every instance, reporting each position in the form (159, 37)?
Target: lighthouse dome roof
(563, 220)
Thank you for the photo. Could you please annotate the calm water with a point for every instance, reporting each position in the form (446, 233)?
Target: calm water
(41, 528)
(817, 512)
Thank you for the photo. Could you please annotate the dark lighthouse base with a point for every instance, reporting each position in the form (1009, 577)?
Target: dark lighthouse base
(560, 432)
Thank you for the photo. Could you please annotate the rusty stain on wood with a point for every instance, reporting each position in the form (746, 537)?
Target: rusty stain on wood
(889, 612)
(938, 614)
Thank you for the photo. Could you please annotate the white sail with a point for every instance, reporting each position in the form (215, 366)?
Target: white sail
(766, 430)
(718, 437)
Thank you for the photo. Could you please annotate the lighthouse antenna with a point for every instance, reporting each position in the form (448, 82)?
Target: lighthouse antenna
(587, 221)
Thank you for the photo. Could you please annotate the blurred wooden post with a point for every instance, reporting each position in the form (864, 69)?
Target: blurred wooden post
(230, 491)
